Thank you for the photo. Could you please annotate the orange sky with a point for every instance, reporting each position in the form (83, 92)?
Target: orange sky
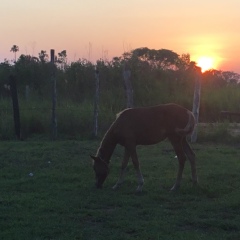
(104, 29)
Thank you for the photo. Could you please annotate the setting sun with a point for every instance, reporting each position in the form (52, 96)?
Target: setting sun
(205, 63)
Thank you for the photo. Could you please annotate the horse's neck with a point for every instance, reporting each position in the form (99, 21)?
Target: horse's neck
(107, 147)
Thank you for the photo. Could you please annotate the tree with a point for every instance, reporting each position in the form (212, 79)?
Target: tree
(5, 70)
(43, 56)
(184, 61)
(14, 49)
(162, 58)
(62, 59)
(231, 77)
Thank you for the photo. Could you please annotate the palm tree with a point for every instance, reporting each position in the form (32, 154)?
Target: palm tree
(14, 49)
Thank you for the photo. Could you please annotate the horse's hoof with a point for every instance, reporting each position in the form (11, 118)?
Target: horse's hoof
(139, 189)
(115, 187)
(174, 188)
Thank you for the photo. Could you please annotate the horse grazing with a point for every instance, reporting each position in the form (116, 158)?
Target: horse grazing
(146, 126)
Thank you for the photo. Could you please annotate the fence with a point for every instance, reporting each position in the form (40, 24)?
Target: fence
(83, 119)
(73, 122)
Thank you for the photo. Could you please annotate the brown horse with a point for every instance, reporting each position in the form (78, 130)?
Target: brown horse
(146, 126)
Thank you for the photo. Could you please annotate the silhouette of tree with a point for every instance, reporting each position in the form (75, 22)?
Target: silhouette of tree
(184, 61)
(43, 56)
(62, 59)
(14, 49)
(162, 58)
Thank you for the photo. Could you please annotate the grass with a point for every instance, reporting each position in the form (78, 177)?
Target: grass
(75, 120)
(59, 200)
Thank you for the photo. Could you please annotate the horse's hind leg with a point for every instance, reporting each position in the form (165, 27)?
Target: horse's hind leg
(176, 143)
(123, 169)
(132, 150)
(191, 156)
(138, 171)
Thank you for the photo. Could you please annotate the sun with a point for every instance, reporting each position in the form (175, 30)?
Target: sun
(205, 63)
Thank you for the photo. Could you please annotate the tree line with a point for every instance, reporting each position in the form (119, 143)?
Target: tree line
(157, 76)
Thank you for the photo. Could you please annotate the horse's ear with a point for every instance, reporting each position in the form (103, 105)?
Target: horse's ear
(94, 158)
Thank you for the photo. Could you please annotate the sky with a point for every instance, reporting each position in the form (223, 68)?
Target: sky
(94, 29)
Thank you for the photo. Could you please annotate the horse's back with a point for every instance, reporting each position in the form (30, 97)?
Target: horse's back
(150, 125)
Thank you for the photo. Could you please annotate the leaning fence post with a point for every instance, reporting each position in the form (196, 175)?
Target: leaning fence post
(16, 114)
(196, 101)
(54, 96)
(128, 85)
(96, 102)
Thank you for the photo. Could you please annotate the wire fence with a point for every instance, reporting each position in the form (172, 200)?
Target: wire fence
(71, 122)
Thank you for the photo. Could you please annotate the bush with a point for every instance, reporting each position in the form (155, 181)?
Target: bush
(217, 132)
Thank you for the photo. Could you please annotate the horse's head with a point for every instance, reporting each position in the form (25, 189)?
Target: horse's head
(101, 170)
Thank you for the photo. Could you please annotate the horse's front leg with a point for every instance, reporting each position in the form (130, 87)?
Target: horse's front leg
(123, 169)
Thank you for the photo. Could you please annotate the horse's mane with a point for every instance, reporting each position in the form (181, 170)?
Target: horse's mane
(118, 114)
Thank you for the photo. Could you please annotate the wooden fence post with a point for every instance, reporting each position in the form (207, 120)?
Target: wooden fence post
(196, 101)
(16, 114)
(96, 103)
(54, 96)
(128, 85)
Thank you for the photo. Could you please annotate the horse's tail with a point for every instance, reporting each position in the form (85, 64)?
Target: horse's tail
(189, 127)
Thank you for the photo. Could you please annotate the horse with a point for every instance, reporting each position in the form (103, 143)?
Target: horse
(146, 126)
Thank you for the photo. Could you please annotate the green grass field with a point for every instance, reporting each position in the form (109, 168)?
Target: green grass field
(47, 192)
